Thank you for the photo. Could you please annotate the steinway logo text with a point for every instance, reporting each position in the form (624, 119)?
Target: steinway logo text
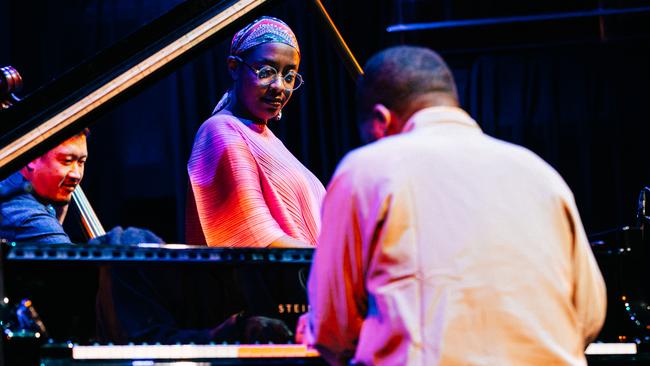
(292, 308)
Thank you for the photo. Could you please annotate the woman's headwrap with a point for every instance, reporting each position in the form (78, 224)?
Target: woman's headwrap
(263, 30)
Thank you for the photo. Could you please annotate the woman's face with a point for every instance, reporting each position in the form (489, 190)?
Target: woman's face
(257, 100)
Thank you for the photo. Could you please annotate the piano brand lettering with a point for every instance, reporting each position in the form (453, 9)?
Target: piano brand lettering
(292, 308)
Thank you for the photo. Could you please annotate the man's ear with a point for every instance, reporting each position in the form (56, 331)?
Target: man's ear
(28, 169)
(233, 65)
(30, 166)
(382, 117)
(378, 123)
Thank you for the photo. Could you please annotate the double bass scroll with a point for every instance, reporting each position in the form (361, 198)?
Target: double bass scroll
(10, 82)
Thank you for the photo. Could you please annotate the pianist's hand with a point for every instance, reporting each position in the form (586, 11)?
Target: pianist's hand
(303, 335)
(251, 329)
(265, 330)
(132, 235)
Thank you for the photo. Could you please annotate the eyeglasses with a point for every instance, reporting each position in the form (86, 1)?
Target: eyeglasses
(267, 75)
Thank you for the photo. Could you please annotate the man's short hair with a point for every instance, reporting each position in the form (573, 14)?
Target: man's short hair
(395, 75)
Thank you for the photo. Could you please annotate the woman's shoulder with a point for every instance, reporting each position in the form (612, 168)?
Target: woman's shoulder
(221, 126)
(221, 122)
(217, 135)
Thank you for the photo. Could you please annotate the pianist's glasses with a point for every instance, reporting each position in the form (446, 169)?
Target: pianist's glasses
(267, 75)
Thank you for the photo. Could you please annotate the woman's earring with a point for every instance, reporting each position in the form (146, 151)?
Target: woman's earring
(278, 117)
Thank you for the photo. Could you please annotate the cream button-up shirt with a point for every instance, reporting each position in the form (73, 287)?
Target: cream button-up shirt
(444, 246)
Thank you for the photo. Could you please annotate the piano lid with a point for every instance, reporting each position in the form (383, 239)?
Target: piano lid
(68, 104)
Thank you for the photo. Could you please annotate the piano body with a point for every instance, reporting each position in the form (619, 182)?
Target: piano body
(45, 274)
(74, 101)
(61, 282)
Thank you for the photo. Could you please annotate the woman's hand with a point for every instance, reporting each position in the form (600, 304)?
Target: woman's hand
(289, 242)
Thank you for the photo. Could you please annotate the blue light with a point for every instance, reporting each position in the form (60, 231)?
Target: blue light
(514, 19)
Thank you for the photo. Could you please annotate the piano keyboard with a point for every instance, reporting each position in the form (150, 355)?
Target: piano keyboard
(598, 354)
(190, 352)
(181, 354)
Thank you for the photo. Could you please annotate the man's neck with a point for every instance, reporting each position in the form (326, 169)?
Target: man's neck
(422, 101)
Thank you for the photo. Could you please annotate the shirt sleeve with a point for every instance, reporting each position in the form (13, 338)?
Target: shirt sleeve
(337, 295)
(590, 296)
(41, 227)
(225, 182)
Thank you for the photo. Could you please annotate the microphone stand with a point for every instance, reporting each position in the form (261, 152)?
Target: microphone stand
(641, 218)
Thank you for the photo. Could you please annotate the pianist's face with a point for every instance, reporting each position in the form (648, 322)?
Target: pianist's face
(56, 174)
(255, 100)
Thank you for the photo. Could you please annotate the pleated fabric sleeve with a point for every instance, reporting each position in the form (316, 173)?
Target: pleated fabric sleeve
(247, 189)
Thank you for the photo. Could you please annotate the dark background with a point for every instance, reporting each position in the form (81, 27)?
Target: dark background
(572, 89)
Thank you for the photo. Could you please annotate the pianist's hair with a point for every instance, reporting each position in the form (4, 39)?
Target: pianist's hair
(394, 76)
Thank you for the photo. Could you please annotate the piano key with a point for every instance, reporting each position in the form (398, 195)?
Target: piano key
(611, 349)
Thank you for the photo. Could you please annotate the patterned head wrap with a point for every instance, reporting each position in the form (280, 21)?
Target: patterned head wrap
(263, 30)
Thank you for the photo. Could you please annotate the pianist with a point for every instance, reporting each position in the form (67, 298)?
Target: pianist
(450, 247)
(35, 199)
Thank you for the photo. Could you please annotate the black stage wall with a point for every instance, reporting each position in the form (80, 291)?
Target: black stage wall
(573, 91)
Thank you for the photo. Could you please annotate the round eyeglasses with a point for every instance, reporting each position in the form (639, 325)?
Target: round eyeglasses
(267, 75)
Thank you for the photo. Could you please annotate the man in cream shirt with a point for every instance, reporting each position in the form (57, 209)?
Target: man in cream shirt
(441, 245)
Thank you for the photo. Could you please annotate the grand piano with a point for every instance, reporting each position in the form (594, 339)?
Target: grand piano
(75, 100)
(58, 284)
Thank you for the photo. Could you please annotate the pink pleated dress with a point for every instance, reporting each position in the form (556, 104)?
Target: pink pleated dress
(246, 188)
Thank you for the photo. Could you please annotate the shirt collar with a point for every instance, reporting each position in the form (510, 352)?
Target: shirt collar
(433, 116)
(14, 180)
